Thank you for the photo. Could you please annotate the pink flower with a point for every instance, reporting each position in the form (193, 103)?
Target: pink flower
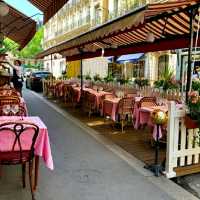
(194, 100)
(193, 94)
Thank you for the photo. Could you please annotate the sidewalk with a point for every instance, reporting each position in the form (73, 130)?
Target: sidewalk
(86, 168)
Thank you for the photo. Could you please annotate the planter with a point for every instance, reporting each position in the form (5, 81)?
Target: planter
(190, 123)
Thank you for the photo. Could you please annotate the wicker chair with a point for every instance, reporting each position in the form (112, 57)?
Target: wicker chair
(9, 92)
(17, 152)
(88, 103)
(5, 100)
(125, 108)
(147, 101)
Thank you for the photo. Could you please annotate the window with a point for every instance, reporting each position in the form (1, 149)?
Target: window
(138, 69)
(163, 63)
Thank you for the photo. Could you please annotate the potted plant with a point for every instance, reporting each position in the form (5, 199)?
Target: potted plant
(97, 77)
(142, 82)
(109, 78)
(192, 118)
(88, 77)
(167, 80)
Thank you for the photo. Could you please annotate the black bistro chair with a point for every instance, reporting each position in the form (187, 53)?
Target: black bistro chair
(19, 148)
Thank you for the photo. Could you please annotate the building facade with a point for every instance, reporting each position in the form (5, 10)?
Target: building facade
(79, 16)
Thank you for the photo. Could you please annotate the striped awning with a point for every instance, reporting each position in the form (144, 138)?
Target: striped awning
(169, 23)
(18, 27)
(48, 7)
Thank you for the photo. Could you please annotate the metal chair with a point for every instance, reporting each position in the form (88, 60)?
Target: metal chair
(20, 148)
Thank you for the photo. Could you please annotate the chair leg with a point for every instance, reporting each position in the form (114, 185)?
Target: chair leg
(122, 124)
(31, 178)
(24, 175)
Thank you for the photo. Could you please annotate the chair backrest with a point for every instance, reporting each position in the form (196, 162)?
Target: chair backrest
(16, 139)
(9, 92)
(12, 110)
(147, 101)
(5, 100)
(125, 105)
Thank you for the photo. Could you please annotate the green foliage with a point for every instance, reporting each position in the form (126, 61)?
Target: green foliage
(142, 82)
(31, 50)
(34, 46)
(79, 76)
(123, 81)
(167, 80)
(88, 77)
(196, 86)
(167, 74)
(11, 46)
(109, 78)
(97, 77)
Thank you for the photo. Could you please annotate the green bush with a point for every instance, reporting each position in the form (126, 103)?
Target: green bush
(109, 78)
(142, 82)
(97, 77)
(167, 80)
(88, 77)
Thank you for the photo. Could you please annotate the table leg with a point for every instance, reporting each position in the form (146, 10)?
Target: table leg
(37, 161)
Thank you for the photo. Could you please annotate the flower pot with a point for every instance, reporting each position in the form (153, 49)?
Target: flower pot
(190, 123)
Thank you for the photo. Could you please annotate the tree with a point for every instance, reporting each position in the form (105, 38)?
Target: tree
(11, 46)
(31, 50)
(34, 46)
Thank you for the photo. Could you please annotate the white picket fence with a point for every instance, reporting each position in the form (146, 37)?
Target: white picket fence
(182, 150)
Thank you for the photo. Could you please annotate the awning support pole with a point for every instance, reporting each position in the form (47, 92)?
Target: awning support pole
(190, 61)
(81, 76)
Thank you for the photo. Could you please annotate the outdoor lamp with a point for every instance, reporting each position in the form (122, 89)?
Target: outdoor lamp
(150, 37)
(4, 9)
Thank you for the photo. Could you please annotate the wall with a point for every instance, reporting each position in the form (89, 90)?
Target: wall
(95, 66)
(56, 66)
(73, 68)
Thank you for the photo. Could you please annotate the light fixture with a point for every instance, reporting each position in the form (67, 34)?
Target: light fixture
(150, 37)
(102, 52)
(4, 9)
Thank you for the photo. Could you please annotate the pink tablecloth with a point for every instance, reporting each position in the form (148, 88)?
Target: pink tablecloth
(97, 95)
(42, 145)
(110, 107)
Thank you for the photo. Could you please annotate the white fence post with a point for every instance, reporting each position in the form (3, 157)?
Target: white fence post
(169, 167)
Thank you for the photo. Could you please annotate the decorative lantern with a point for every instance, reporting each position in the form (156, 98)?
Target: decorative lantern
(159, 117)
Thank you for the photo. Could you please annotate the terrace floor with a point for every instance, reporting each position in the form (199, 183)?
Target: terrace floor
(84, 168)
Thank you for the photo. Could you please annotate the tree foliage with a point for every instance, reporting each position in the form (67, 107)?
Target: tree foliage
(34, 46)
(31, 50)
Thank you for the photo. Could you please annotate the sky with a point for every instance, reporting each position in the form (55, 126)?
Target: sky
(25, 7)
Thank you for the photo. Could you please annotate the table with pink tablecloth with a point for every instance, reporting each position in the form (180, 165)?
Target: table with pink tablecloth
(110, 107)
(42, 145)
(97, 95)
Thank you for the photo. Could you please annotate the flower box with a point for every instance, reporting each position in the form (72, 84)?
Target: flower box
(190, 123)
